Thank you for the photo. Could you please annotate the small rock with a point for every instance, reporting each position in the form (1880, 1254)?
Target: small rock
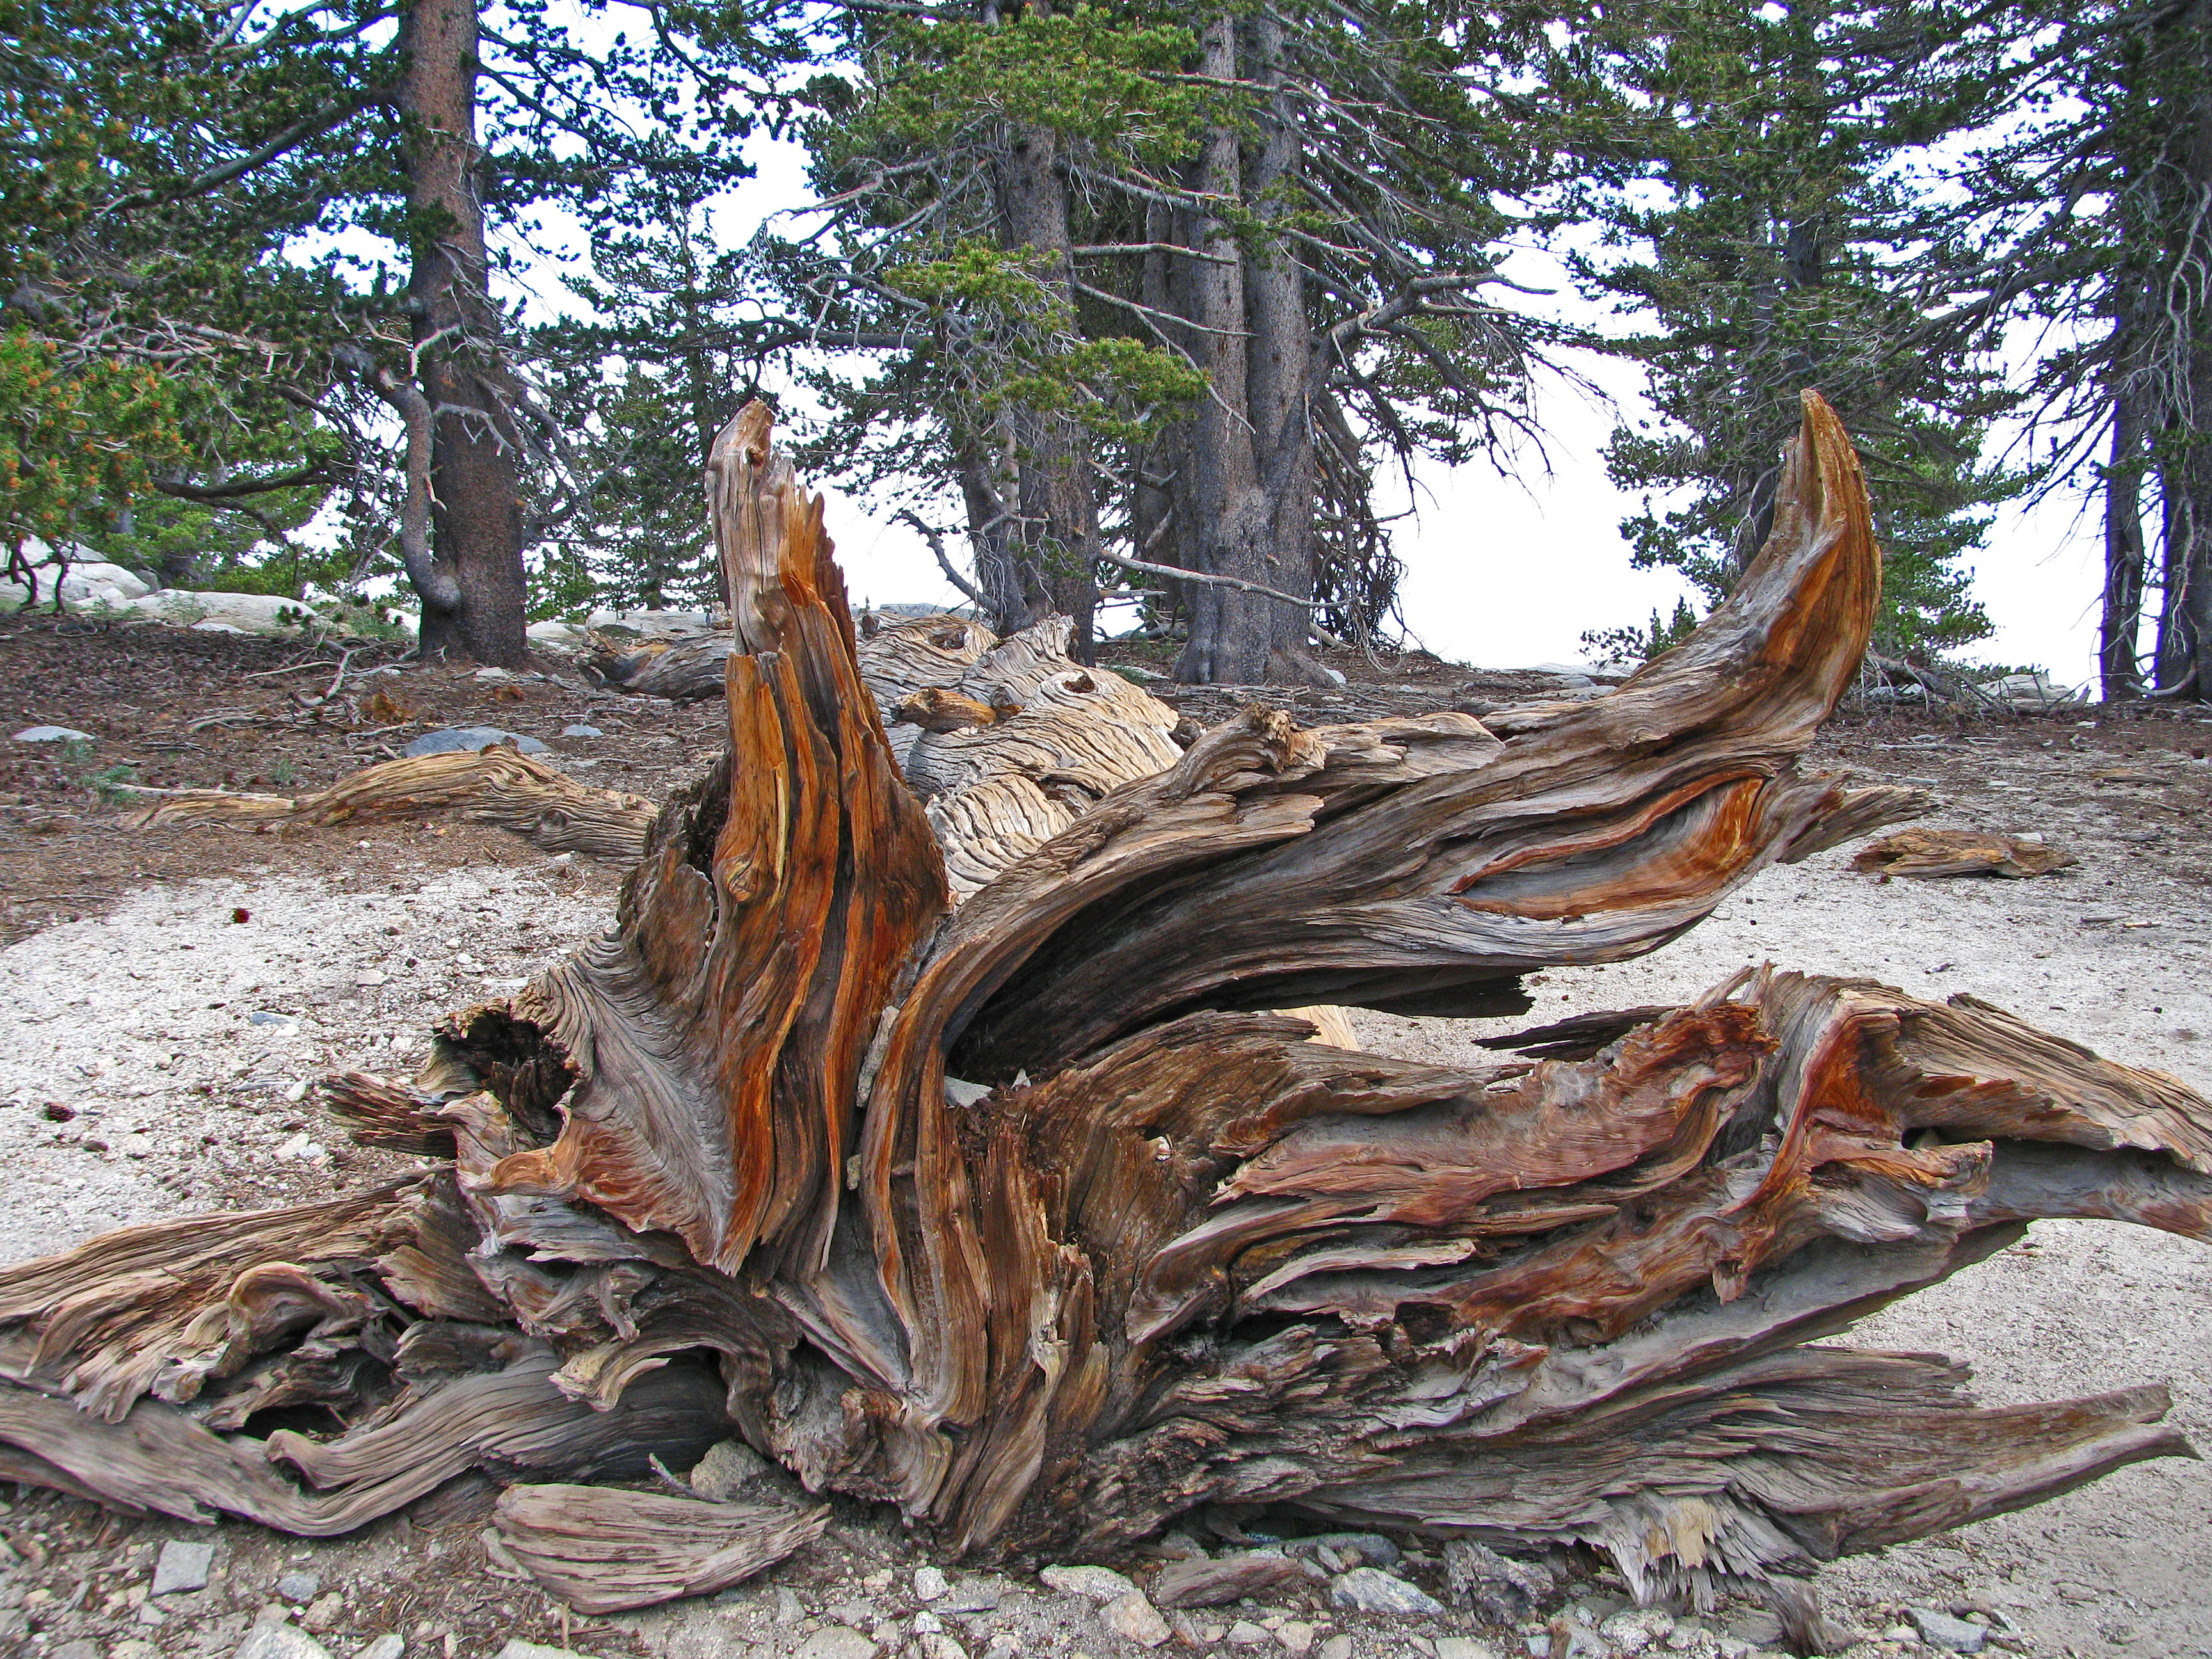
(372, 976)
(1337, 1647)
(275, 1641)
(1463, 1647)
(1204, 1583)
(467, 739)
(298, 1587)
(1637, 1629)
(495, 674)
(1499, 1589)
(1335, 675)
(1178, 1546)
(1370, 1591)
(1099, 1583)
(183, 1567)
(518, 1649)
(1941, 1630)
(929, 1584)
(578, 729)
(1900, 1633)
(79, 1649)
(1134, 1617)
(1759, 1629)
(789, 1609)
(54, 735)
(1371, 1548)
(1246, 1634)
(325, 1612)
(390, 1646)
(926, 1624)
(1734, 1647)
(937, 1645)
(836, 1641)
(728, 1467)
(1297, 1635)
(973, 1596)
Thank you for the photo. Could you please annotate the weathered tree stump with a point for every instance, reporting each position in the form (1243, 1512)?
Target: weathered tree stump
(1005, 1199)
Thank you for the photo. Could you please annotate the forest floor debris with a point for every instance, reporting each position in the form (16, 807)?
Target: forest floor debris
(176, 990)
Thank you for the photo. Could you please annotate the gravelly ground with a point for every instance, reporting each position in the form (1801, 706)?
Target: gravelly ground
(157, 1046)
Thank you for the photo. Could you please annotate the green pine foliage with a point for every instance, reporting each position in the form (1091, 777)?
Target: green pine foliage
(157, 333)
(1766, 225)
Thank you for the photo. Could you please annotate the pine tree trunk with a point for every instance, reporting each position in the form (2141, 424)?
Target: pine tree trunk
(1059, 499)
(2192, 29)
(928, 1126)
(2121, 624)
(1280, 376)
(1251, 441)
(477, 500)
(1011, 591)
(1229, 637)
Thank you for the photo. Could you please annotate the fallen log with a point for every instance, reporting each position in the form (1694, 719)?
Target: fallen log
(497, 785)
(895, 659)
(1017, 1210)
(1918, 852)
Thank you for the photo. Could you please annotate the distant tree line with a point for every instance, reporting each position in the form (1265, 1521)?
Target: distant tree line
(1102, 299)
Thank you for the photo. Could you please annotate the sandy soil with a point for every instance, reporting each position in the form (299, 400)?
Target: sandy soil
(160, 1042)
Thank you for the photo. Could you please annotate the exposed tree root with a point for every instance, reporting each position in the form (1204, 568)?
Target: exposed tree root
(1023, 1215)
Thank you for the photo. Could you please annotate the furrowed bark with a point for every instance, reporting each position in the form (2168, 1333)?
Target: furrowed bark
(998, 1198)
(476, 497)
(1057, 481)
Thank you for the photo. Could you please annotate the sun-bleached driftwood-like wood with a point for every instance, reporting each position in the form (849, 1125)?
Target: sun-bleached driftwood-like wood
(1002, 1198)
(1918, 852)
(497, 785)
(603, 1550)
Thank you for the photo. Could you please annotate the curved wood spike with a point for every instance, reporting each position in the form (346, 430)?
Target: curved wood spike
(1431, 881)
(717, 1041)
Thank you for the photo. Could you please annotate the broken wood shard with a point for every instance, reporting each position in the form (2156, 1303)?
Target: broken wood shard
(1918, 852)
(928, 1126)
(603, 1550)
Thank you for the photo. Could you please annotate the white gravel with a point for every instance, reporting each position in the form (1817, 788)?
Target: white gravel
(142, 1026)
(160, 1053)
(2122, 1566)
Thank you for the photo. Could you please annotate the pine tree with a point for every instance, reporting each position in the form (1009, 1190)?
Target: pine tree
(1217, 268)
(1755, 168)
(167, 164)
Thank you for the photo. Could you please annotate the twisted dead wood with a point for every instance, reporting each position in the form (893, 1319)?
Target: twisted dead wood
(497, 785)
(1022, 1216)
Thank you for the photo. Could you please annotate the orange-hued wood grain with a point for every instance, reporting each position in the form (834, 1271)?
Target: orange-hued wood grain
(1029, 1218)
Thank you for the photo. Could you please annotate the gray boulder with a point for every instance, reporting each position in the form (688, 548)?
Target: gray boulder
(467, 739)
(1369, 1589)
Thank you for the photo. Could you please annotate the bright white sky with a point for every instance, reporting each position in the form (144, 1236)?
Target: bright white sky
(1509, 571)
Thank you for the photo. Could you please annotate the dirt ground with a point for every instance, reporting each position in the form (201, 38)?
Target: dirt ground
(175, 992)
